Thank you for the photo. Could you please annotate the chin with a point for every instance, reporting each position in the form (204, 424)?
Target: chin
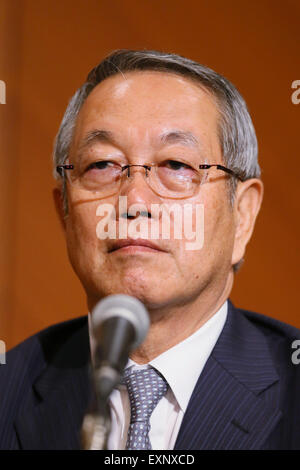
(151, 295)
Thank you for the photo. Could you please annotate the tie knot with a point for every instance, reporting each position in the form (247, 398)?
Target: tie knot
(145, 388)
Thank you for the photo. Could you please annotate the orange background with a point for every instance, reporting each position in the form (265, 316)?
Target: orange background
(46, 49)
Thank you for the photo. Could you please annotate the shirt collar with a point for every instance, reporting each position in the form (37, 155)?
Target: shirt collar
(182, 364)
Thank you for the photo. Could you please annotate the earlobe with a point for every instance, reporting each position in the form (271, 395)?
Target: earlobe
(247, 205)
(59, 206)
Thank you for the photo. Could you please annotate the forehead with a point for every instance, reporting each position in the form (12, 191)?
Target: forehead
(148, 103)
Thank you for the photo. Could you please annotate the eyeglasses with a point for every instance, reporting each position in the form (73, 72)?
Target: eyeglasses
(170, 178)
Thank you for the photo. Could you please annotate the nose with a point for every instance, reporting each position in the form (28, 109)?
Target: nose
(135, 181)
(138, 192)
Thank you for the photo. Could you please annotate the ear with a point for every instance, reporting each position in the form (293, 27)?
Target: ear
(248, 199)
(59, 205)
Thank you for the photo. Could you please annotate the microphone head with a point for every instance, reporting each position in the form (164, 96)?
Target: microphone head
(123, 306)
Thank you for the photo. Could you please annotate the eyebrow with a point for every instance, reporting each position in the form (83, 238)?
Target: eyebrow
(96, 135)
(175, 136)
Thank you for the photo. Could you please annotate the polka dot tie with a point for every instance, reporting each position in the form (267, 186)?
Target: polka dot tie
(145, 388)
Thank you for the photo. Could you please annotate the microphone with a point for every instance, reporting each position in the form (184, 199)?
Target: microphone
(120, 324)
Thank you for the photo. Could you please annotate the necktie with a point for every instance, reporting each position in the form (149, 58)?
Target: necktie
(145, 388)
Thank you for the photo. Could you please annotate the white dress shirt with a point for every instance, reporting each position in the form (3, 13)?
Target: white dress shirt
(181, 366)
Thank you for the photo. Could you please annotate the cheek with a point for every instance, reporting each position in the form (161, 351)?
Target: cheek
(217, 225)
(81, 232)
(219, 230)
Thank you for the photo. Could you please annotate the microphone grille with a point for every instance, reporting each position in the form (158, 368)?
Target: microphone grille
(124, 306)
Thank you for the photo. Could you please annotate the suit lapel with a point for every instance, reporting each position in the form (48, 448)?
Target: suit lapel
(228, 408)
(52, 416)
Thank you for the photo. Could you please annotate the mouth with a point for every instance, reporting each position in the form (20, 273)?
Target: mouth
(133, 246)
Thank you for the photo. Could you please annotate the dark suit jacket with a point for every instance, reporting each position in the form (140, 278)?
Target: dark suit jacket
(247, 397)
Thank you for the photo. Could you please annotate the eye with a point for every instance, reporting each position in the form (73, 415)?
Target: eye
(176, 165)
(102, 165)
(177, 168)
(173, 172)
(101, 171)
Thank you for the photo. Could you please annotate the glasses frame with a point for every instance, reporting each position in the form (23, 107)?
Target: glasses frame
(148, 167)
(223, 168)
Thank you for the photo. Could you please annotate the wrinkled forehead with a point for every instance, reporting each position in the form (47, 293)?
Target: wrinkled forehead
(148, 104)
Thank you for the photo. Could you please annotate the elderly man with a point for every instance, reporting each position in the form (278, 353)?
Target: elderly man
(158, 129)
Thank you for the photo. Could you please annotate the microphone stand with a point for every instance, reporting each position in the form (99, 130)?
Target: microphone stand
(97, 422)
(95, 431)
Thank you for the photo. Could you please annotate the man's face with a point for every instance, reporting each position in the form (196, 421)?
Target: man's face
(136, 111)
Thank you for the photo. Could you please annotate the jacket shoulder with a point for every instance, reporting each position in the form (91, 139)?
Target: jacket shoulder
(25, 361)
(270, 326)
(24, 366)
(282, 339)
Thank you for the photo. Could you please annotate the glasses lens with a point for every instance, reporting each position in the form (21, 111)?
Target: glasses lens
(175, 179)
(99, 176)
(170, 178)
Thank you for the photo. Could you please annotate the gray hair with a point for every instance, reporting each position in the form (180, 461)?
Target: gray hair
(236, 131)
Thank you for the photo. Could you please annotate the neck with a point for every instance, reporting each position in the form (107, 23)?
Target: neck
(170, 326)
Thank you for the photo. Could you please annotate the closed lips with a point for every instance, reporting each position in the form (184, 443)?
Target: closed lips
(124, 243)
